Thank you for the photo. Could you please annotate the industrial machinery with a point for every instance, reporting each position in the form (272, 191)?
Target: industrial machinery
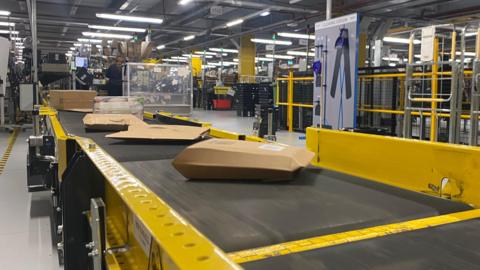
(124, 206)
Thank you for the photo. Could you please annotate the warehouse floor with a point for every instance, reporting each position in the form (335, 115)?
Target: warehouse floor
(228, 120)
(25, 240)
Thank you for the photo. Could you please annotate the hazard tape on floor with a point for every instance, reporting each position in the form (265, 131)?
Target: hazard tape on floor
(8, 151)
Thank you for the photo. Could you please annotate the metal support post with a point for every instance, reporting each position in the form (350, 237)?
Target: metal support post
(475, 103)
(407, 117)
(455, 103)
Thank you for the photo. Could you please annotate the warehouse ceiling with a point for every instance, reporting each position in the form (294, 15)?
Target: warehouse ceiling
(61, 22)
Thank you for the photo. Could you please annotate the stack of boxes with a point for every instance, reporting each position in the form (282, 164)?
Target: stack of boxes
(266, 110)
(246, 96)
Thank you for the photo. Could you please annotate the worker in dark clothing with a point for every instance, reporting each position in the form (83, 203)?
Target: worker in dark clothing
(114, 75)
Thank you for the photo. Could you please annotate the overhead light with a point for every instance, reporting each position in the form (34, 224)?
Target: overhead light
(114, 28)
(466, 53)
(224, 63)
(400, 40)
(16, 38)
(265, 59)
(20, 47)
(198, 56)
(271, 41)
(295, 35)
(294, 1)
(471, 34)
(9, 32)
(297, 53)
(210, 53)
(106, 35)
(82, 45)
(280, 56)
(223, 50)
(179, 57)
(208, 66)
(265, 13)
(19, 43)
(184, 2)
(189, 37)
(89, 40)
(73, 48)
(159, 47)
(175, 60)
(235, 59)
(125, 5)
(98, 46)
(7, 24)
(129, 18)
(235, 22)
(5, 13)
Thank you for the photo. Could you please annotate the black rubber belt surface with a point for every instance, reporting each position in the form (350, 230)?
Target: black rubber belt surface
(244, 214)
(453, 246)
(119, 149)
(239, 215)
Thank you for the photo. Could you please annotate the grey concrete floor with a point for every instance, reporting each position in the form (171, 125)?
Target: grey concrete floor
(228, 120)
(25, 240)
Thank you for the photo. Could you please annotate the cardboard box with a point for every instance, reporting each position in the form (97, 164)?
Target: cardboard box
(71, 99)
(111, 122)
(242, 160)
(161, 133)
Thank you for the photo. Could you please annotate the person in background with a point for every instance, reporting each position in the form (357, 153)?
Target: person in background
(114, 75)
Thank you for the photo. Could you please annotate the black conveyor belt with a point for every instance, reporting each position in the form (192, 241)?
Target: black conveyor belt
(120, 150)
(449, 247)
(240, 215)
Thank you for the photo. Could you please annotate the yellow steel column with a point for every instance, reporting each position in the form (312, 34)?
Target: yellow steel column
(362, 49)
(290, 102)
(477, 45)
(246, 59)
(433, 118)
(196, 66)
(453, 52)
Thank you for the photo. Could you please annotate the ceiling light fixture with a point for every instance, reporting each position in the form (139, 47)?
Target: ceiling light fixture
(125, 5)
(9, 32)
(73, 48)
(114, 28)
(270, 41)
(7, 24)
(89, 40)
(129, 18)
(5, 13)
(265, 59)
(184, 2)
(235, 22)
(159, 47)
(198, 56)
(106, 35)
(223, 50)
(189, 37)
(175, 60)
(297, 53)
(400, 40)
(295, 35)
(279, 56)
(265, 13)
(210, 53)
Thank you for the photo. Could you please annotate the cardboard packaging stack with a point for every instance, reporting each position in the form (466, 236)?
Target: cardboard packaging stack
(241, 160)
(75, 100)
(111, 122)
(119, 105)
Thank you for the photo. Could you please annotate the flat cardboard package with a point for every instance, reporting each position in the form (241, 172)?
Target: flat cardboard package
(71, 99)
(111, 122)
(242, 160)
(161, 133)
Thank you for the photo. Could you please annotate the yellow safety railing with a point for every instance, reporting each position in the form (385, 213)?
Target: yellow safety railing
(290, 104)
